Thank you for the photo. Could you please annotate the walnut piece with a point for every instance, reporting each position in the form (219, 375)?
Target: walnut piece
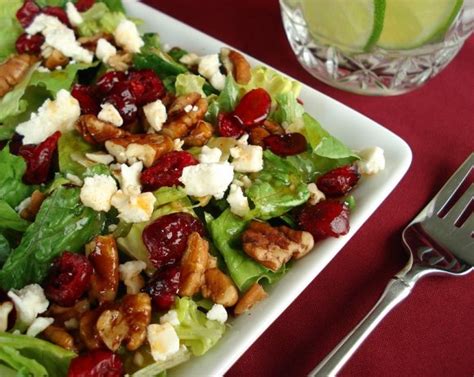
(13, 70)
(29, 213)
(273, 247)
(199, 135)
(253, 295)
(236, 63)
(96, 131)
(219, 288)
(112, 328)
(58, 335)
(56, 59)
(193, 265)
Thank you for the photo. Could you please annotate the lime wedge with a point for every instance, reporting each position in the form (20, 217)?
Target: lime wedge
(412, 23)
(349, 24)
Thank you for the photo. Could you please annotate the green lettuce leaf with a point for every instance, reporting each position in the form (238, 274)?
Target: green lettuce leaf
(20, 363)
(102, 17)
(160, 62)
(62, 223)
(71, 147)
(9, 372)
(152, 42)
(187, 83)
(288, 109)
(114, 5)
(225, 233)
(195, 331)
(12, 188)
(51, 3)
(4, 250)
(9, 219)
(273, 82)
(9, 26)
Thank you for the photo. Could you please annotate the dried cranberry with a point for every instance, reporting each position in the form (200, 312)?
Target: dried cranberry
(29, 44)
(12, 315)
(57, 12)
(163, 287)
(39, 159)
(107, 81)
(254, 107)
(87, 98)
(229, 126)
(328, 218)
(97, 363)
(151, 83)
(339, 181)
(28, 11)
(124, 100)
(286, 144)
(166, 238)
(167, 170)
(68, 278)
(83, 5)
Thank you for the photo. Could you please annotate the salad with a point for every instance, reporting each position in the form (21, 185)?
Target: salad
(147, 194)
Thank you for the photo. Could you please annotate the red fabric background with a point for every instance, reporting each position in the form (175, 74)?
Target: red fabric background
(432, 332)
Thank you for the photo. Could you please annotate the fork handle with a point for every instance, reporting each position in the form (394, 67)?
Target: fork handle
(394, 293)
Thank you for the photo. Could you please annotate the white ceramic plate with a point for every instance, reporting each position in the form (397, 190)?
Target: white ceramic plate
(354, 129)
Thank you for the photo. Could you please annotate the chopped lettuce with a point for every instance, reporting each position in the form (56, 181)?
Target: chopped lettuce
(20, 363)
(62, 223)
(114, 5)
(4, 250)
(273, 82)
(51, 3)
(12, 188)
(71, 148)
(102, 17)
(159, 368)
(10, 27)
(152, 41)
(187, 83)
(9, 219)
(288, 109)
(160, 62)
(195, 331)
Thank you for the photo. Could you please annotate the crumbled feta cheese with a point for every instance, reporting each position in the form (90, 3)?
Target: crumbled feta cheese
(29, 302)
(210, 155)
(155, 113)
(130, 178)
(73, 15)
(315, 196)
(5, 309)
(209, 68)
(23, 205)
(132, 153)
(43, 69)
(52, 116)
(74, 179)
(217, 313)
(372, 161)
(190, 59)
(247, 158)
(239, 204)
(134, 209)
(105, 50)
(178, 144)
(217, 80)
(171, 317)
(39, 325)
(188, 108)
(207, 179)
(127, 36)
(58, 36)
(110, 114)
(98, 191)
(163, 340)
(99, 157)
(130, 275)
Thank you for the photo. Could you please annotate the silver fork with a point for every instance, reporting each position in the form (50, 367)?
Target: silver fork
(436, 245)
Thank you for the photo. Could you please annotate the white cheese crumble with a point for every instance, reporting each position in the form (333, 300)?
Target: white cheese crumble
(130, 178)
(217, 313)
(52, 116)
(132, 153)
(209, 68)
(60, 37)
(247, 158)
(188, 108)
(315, 196)
(101, 158)
(5, 310)
(97, 192)
(155, 113)
(73, 14)
(105, 50)
(39, 325)
(29, 302)
(171, 317)
(24, 204)
(130, 275)
(207, 179)
(178, 144)
(127, 36)
(210, 155)
(163, 340)
(372, 161)
(110, 114)
(239, 204)
(190, 59)
(134, 209)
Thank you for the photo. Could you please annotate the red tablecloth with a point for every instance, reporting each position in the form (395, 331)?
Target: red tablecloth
(432, 332)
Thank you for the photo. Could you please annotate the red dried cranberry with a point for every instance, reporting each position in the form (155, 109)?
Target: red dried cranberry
(328, 218)
(57, 12)
(107, 81)
(12, 315)
(68, 278)
(163, 287)
(167, 170)
(124, 101)
(286, 144)
(87, 98)
(28, 11)
(151, 83)
(29, 44)
(39, 159)
(254, 107)
(229, 126)
(166, 238)
(83, 5)
(97, 363)
(339, 181)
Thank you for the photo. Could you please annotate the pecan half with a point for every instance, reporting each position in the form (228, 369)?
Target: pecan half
(199, 135)
(219, 288)
(29, 213)
(58, 335)
(88, 329)
(253, 295)
(273, 247)
(121, 61)
(236, 63)
(257, 134)
(112, 328)
(63, 314)
(90, 43)
(96, 131)
(56, 59)
(13, 70)
(103, 255)
(193, 265)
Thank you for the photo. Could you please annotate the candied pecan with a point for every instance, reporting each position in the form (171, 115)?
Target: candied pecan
(273, 127)
(103, 255)
(219, 288)
(96, 131)
(253, 295)
(211, 262)
(257, 134)
(56, 59)
(58, 335)
(13, 70)
(146, 148)
(88, 329)
(199, 135)
(179, 103)
(137, 312)
(63, 314)
(121, 61)
(112, 328)
(235, 63)
(193, 265)
(90, 43)
(273, 247)
(29, 213)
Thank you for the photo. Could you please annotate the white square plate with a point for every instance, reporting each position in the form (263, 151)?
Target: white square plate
(354, 129)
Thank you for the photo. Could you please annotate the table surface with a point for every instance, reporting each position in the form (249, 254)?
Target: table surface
(432, 332)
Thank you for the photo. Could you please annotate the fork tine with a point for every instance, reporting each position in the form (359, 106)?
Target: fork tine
(457, 210)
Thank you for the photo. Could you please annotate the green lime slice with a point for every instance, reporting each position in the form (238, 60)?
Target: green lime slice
(349, 24)
(412, 23)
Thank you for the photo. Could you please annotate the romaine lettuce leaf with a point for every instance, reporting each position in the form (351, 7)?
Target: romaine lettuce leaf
(9, 26)
(273, 82)
(152, 41)
(72, 146)
(160, 62)
(102, 17)
(288, 109)
(187, 83)
(12, 188)
(4, 250)
(9, 219)
(114, 5)
(51, 3)
(20, 363)
(62, 223)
